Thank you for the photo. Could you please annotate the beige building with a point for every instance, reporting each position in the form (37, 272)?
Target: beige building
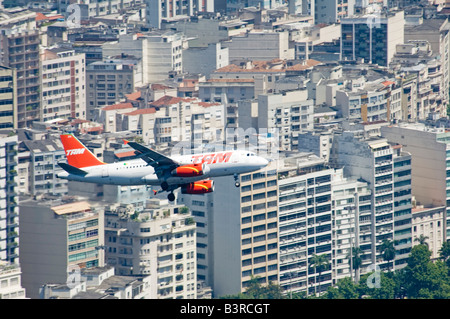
(8, 97)
(63, 84)
(429, 222)
(159, 241)
(57, 238)
(10, 281)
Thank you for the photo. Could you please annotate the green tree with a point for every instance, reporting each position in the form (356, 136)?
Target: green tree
(319, 263)
(424, 278)
(345, 289)
(388, 251)
(255, 290)
(385, 291)
(422, 240)
(444, 252)
(356, 260)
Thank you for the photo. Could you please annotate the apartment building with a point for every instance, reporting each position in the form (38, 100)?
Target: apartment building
(9, 211)
(372, 41)
(174, 119)
(8, 98)
(372, 160)
(159, 241)
(10, 281)
(58, 237)
(243, 231)
(289, 113)
(305, 223)
(429, 223)
(95, 8)
(107, 82)
(260, 45)
(430, 159)
(159, 12)
(20, 50)
(100, 283)
(63, 84)
(370, 103)
(333, 11)
(39, 166)
(159, 53)
(403, 237)
(352, 208)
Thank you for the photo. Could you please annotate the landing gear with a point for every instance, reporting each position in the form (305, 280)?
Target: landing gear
(236, 180)
(164, 186)
(171, 197)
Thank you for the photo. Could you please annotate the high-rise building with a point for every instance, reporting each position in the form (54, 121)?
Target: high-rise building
(370, 158)
(160, 11)
(20, 50)
(8, 98)
(9, 212)
(305, 223)
(106, 83)
(63, 84)
(159, 241)
(59, 238)
(430, 163)
(372, 37)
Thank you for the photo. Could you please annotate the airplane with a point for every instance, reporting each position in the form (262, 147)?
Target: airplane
(191, 173)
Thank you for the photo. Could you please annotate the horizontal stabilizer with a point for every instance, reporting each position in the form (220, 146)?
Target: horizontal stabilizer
(72, 169)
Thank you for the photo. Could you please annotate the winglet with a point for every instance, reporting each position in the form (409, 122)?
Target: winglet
(125, 142)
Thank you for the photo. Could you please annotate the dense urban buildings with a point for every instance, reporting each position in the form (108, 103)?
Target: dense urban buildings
(347, 100)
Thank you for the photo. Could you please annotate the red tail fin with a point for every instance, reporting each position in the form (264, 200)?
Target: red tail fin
(77, 154)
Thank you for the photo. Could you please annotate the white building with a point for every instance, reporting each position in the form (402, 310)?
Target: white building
(63, 84)
(9, 210)
(159, 241)
(288, 113)
(260, 45)
(101, 283)
(10, 281)
(430, 162)
(159, 11)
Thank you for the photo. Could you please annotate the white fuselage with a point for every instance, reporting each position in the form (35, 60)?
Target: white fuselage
(138, 172)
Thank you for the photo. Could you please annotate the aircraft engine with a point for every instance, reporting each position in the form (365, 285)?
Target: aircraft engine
(200, 187)
(190, 170)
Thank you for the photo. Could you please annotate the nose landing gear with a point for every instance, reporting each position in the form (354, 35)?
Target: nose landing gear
(236, 180)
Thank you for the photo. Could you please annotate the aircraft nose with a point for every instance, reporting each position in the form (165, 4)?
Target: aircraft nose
(263, 162)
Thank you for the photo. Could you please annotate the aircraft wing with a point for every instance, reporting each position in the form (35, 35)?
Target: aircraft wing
(153, 158)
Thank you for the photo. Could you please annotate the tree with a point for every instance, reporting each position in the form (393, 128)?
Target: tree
(444, 252)
(320, 263)
(344, 289)
(356, 260)
(425, 278)
(255, 290)
(385, 291)
(388, 251)
(422, 240)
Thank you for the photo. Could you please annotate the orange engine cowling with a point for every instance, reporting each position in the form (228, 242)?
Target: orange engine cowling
(190, 170)
(200, 187)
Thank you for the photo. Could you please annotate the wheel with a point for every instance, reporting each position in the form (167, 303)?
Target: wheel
(164, 186)
(171, 197)
(237, 184)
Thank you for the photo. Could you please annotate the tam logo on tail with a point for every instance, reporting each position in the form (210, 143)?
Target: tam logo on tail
(75, 151)
(77, 154)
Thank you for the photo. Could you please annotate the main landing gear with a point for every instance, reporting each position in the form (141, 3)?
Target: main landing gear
(165, 187)
(236, 180)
